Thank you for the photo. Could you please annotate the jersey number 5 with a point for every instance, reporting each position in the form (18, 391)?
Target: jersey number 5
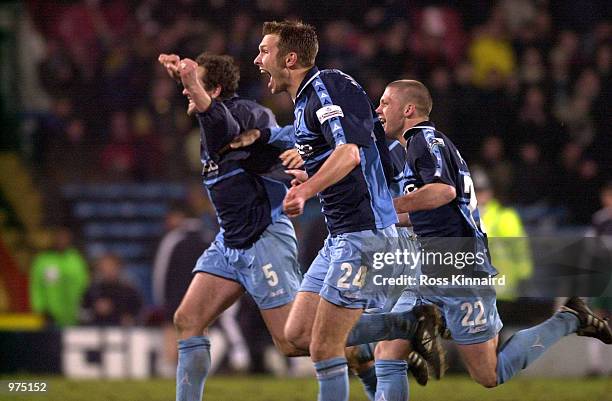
(270, 274)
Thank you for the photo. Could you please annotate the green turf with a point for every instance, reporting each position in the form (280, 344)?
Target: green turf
(266, 388)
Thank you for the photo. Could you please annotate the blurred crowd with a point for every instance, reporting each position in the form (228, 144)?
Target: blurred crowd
(522, 86)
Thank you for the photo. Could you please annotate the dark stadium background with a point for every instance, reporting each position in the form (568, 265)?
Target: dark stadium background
(95, 137)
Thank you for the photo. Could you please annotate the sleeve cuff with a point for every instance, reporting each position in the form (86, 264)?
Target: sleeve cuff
(265, 135)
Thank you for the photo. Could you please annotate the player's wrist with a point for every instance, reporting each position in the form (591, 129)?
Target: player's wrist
(306, 190)
(400, 204)
(192, 87)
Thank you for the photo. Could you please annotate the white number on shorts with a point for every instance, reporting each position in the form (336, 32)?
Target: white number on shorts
(270, 274)
(466, 322)
(360, 277)
(348, 270)
(358, 280)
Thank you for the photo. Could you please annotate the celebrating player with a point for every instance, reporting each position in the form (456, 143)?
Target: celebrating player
(440, 200)
(347, 164)
(256, 249)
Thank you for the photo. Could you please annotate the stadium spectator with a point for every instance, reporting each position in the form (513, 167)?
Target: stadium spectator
(118, 158)
(491, 52)
(58, 279)
(110, 300)
(535, 124)
(70, 153)
(509, 247)
(532, 183)
(148, 153)
(499, 169)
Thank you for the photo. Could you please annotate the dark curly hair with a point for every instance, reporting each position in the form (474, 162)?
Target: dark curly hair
(220, 70)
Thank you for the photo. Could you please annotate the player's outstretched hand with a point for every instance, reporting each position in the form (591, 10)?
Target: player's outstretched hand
(300, 177)
(245, 139)
(291, 159)
(188, 70)
(171, 64)
(293, 205)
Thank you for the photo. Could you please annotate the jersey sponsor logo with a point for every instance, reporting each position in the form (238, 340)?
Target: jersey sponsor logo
(210, 169)
(433, 142)
(329, 112)
(304, 150)
(409, 188)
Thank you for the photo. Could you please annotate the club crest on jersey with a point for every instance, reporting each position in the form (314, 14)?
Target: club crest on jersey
(209, 168)
(433, 141)
(329, 112)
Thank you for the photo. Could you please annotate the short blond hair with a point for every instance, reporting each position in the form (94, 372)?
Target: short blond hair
(416, 93)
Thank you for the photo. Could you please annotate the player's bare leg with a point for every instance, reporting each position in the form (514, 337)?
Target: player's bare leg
(206, 297)
(491, 368)
(330, 330)
(360, 359)
(275, 320)
(481, 361)
(394, 349)
(391, 369)
(298, 328)
(327, 349)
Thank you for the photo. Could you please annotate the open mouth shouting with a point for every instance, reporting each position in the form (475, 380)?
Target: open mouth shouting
(270, 79)
(382, 120)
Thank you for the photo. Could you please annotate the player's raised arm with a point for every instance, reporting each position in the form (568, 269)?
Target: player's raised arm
(279, 137)
(188, 70)
(171, 64)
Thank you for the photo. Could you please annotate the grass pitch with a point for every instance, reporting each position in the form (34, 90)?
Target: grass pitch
(267, 388)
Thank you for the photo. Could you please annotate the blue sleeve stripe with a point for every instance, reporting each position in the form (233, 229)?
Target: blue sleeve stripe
(377, 216)
(393, 145)
(429, 135)
(334, 123)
